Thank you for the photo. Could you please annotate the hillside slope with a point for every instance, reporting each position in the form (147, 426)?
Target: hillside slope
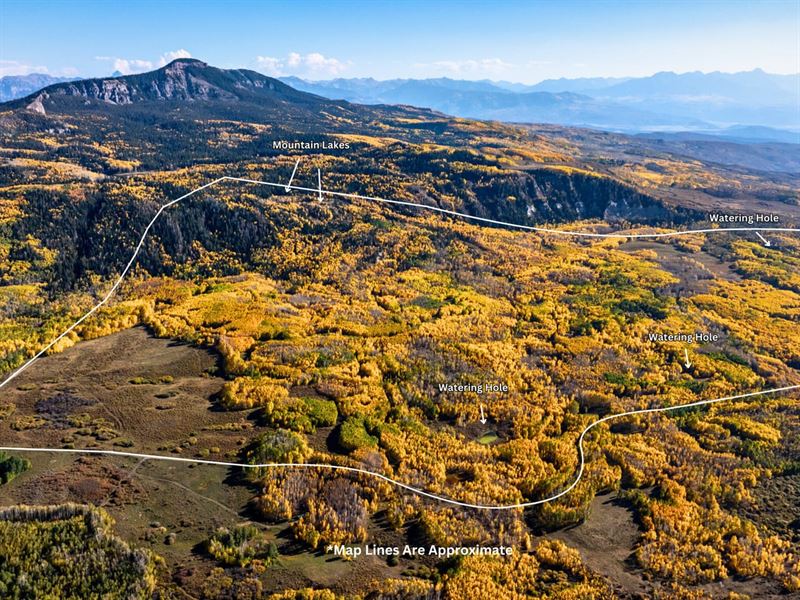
(338, 327)
(204, 122)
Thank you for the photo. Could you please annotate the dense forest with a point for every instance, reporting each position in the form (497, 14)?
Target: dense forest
(69, 552)
(337, 322)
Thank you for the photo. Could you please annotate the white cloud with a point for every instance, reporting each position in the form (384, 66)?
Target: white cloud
(127, 66)
(294, 60)
(472, 67)
(134, 65)
(312, 65)
(316, 62)
(270, 66)
(168, 57)
(14, 67)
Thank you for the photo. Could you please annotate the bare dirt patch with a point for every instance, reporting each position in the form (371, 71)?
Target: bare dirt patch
(126, 390)
(606, 541)
(82, 479)
(696, 270)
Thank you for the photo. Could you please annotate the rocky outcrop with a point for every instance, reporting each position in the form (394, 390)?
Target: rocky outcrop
(37, 105)
(547, 196)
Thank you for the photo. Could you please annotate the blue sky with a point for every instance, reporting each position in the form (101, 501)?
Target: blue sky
(518, 41)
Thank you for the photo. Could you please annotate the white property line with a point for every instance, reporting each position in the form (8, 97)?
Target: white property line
(349, 196)
(445, 211)
(113, 289)
(138, 248)
(321, 191)
(400, 484)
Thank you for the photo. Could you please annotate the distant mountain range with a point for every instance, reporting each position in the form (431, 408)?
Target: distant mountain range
(19, 86)
(665, 101)
(485, 100)
(189, 112)
(745, 106)
(186, 94)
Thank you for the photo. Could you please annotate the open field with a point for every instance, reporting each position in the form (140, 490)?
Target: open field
(127, 390)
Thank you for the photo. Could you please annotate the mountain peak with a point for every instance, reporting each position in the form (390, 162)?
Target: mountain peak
(183, 79)
(183, 89)
(182, 63)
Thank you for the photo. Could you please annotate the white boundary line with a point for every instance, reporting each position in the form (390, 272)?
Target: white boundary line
(321, 191)
(110, 292)
(291, 179)
(400, 484)
(624, 236)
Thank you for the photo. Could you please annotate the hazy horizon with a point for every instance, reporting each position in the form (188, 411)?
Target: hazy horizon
(366, 77)
(369, 77)
(520, 42)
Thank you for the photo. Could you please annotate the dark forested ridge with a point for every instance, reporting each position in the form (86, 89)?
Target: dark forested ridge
(100, 134)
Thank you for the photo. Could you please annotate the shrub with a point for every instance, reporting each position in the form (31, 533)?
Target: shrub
(353, 435)
(241, 545)
(280, 446)
(11, 466)
(322, 413)
(28, 422)
(249, 392)
(303, 415)
(6, 410)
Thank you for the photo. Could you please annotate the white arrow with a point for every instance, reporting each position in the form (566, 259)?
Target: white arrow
(767, 243)
(483, 417)
(319, 182)
(686, 354)
(289, 185)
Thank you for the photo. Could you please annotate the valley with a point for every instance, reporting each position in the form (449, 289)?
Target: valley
(258, 325)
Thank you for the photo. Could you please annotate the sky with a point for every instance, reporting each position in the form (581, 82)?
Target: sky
(524, 41)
